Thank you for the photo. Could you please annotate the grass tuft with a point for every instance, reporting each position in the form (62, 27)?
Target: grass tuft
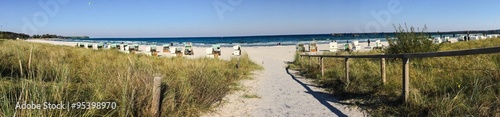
(68, 74)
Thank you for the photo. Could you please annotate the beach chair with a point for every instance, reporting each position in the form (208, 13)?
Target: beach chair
(113, 46)
(489, 36)
(446, 39)
(461, 38)
(172, 50)
(209, 52)
(122, 47)
(126, 49)
(496, 35)
(333, 46)
(437, 40)
(166, 48)
(134, 48)
(237, 50)
(474, 38)
(300, 47)
(89, 45)
(100, 46)
(146, 50)
(83, 45)
(453, 40)
(178, 51)
(216, 50)
(355, 45)
(188, 49)
(153, 51)
(94, 46)
(482, 37)
(313, 47)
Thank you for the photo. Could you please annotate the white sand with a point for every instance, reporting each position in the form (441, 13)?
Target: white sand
(280, 93)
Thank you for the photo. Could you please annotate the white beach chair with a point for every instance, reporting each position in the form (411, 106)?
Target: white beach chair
(84, 45)
(355, 45)
(474, 37)
(333, 46)
(122, 47)
(94, 46)
(437, 40)
(496, 35)
(172, 50)
(446, 39)
(461, 38)
(147, 50)
(126, 48)
(377, 43)
(209, 52)
(453, 40)
(237, 50)
(178, 51)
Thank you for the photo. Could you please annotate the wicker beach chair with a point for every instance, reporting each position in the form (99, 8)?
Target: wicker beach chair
(313, 47)
(153, 50)
(300, 47)
(333, 46)
(216, 50)
(188, 48)
(237, 50)
(166, 48)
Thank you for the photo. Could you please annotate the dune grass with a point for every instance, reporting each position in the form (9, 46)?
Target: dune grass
(48, 73)
(444, 86)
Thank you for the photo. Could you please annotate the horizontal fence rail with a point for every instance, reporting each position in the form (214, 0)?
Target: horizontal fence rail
(405, 62)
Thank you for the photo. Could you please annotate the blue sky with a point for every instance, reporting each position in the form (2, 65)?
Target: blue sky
(181, 18)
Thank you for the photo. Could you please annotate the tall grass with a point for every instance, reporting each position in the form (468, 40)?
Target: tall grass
(49, 73)
(444, 86)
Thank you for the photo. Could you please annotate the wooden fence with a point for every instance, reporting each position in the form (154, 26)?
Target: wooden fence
(405, 62)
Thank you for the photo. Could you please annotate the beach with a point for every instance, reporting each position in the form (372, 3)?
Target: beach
(277, 91)
(226, 52)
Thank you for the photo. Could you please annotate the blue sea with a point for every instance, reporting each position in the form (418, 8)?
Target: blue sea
(242, 40)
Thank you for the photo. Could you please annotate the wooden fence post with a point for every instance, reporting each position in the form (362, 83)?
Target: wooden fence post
(406, 79)
(156, 101)
(310, 61)
(322, 66)
(382, 70)
(347, 70)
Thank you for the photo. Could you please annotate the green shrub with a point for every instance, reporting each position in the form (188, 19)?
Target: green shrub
(409, 40)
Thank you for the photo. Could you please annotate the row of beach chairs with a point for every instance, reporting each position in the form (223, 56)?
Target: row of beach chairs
(154, 50)
(334, 46)
(463, 38)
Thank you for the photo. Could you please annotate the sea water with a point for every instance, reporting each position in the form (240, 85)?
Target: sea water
(272, 40)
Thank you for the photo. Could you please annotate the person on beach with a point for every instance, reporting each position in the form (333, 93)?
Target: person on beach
(368, 42)
(346, 46)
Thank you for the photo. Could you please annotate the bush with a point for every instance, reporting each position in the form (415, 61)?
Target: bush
(409, 40)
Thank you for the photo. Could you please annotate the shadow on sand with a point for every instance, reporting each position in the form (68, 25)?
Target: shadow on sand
(323, 98)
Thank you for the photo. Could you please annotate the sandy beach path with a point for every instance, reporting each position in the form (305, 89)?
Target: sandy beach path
(280, 92)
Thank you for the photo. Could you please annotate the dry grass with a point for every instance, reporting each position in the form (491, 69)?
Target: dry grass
(48, 73)
(445, 86)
